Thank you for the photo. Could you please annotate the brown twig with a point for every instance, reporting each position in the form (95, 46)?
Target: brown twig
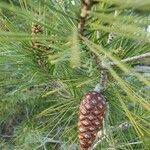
(103, 78)
(85, 7)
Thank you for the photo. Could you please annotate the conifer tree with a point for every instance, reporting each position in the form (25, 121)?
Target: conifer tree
(53, 52)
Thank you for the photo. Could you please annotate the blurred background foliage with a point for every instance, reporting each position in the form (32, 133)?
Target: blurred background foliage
(40, 89)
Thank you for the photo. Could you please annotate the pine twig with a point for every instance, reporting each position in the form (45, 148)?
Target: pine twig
(103, 81)
(112, 35)
(123, 126)
(142, 68)
(49, 140)
(132, 59)
(85, 7)
(103, 77)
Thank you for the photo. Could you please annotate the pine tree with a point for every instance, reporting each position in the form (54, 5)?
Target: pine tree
(53, 52)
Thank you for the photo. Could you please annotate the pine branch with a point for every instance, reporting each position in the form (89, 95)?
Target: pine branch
(103, 78)
(85, 7)
(51, 141)
(114, 129)
(103, 81)
(102, 136)
(142, 68)
(134, 58)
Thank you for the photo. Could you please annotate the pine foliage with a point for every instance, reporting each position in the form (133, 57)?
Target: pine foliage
(41, 86)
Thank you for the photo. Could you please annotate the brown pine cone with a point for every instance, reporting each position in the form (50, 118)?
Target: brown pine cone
(36, 29)
(90, 120)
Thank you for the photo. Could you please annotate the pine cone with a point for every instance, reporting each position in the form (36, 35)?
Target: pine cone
(91, 114)
(36, 29)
